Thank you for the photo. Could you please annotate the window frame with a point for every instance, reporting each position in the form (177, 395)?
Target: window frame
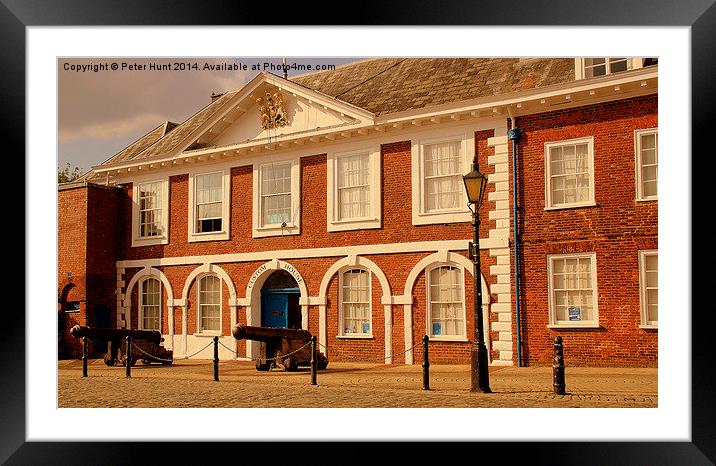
(633, 63)
(341, 333)
(140, 323)
(645, 323)
(428, 303)
(552, 314)
(466, 137)
(638, 133)
(294, 226)
(549, 205)
(193, 236)
(373, 219)
(137, 240)
(199, 330)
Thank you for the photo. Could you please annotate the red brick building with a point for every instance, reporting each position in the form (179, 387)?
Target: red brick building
(334, 201)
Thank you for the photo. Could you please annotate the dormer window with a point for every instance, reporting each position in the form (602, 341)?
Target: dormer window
(586, 68)
(601, 66)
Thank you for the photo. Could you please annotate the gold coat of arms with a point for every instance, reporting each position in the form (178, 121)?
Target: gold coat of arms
(272, 110)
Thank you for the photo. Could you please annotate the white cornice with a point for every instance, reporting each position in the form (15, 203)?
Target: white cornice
(366, 250)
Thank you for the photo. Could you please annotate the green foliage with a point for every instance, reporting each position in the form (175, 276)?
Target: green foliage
(68, 174)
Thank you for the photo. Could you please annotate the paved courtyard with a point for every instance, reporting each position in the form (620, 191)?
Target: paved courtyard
(189, 383)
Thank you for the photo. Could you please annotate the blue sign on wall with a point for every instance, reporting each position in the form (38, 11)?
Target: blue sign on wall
(575, 313)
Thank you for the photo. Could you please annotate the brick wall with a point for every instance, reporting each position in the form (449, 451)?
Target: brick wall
(87, 247)
(397, 227)
(616, 229)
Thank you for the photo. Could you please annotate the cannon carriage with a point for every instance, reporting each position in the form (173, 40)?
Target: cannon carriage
(149, 343)
(281, 348)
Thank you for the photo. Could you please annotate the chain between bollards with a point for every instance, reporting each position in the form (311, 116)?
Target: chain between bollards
(84, 356)
(558, 367)
(314, 360)
(426, 364)
(128, 357)
(216, 359)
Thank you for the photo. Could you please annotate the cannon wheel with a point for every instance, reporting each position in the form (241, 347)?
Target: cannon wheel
(108, 360)
(290, 364)
(322, 363)
(146, 361)
(263, 366)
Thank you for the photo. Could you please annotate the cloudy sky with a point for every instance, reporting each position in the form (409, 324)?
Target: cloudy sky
(101, 112)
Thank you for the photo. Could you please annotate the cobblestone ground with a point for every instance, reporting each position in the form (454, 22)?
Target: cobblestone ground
(347, 385)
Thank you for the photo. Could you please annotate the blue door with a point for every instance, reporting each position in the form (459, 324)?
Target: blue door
(274, 310)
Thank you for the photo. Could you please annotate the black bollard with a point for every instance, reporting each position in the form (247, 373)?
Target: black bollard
(558, 367)
(426, 364)
(84, 356)
(216, 359)
(128, 357)
(314, 360)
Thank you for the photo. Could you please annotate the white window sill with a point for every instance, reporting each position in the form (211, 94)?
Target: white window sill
(453, 339)
(208, 334)
(433, 218)
(571, 206)
(209, 236)
(354, 337)
(646, 199)
(275, 230)
(649, 326)
(354, 224)
(149, 241)
(575, 325)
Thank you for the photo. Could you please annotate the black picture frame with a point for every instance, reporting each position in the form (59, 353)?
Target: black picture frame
(700, 15)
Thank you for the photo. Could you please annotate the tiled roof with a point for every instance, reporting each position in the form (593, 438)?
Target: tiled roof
(134, 149)
(138, 146)
(394, 85)
(386, 85)
(144, 149)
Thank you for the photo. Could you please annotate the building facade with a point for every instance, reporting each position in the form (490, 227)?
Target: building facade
(334, 202)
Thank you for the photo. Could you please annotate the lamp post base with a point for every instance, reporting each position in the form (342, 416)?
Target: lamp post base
(480, 378)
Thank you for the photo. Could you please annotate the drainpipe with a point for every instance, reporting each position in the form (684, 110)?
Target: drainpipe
(514, 135)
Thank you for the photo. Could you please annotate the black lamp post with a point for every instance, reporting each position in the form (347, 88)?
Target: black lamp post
(475, 183)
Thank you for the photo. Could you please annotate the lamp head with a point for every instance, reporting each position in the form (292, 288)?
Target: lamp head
(475, 184)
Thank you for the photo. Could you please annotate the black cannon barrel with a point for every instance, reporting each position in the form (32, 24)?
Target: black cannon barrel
(241, 332)
(115, 333)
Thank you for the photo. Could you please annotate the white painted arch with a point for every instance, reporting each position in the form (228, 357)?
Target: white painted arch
(350, 262)
(208, 269)
(262, 272)
(253, 296)
(146, 272)
(346, 263)
(442, 257)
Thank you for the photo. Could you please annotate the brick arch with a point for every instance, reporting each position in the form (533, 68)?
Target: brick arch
(62, 301)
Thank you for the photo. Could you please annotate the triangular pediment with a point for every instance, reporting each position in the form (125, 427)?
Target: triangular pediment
(270, 107)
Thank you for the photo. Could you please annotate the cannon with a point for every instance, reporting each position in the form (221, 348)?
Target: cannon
(277, 342)
(149, 341)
